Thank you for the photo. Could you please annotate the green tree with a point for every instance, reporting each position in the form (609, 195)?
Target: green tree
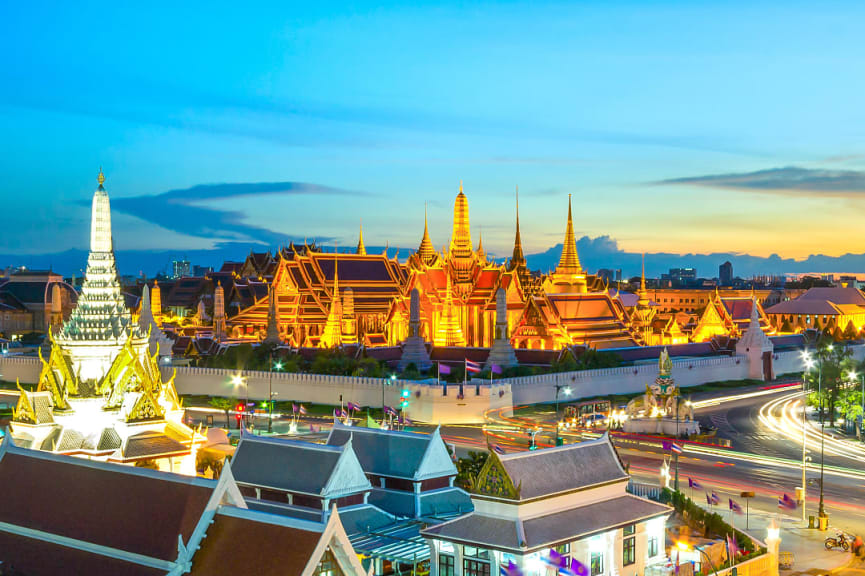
(468, 469)
(785, 327)
(850, 332)
(224, 404)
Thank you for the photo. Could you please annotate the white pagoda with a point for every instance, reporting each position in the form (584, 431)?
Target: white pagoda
(101, 394)
(100, 324)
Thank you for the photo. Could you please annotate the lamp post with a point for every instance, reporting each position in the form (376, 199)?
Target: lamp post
(852, 375)
(683, 546)
(237, 380)
(821, 511)
(809, 363)
(270, 394)
(567, 391)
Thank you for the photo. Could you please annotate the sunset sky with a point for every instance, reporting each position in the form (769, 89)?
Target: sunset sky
(680, 127)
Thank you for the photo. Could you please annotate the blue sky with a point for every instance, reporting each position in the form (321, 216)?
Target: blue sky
(687, 127)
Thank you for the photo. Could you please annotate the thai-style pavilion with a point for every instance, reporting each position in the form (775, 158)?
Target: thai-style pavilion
(570, 499)
(61, 515)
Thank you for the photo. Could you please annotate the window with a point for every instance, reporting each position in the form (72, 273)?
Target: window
(629, 551)
(472, 552)
(597, 564)
(446, 565)
(653, 546)
(475, 567)
(563, 549)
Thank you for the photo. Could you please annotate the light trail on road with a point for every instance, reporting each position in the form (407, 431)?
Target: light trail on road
(784, 416)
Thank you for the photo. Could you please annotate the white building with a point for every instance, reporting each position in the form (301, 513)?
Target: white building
(571, 499)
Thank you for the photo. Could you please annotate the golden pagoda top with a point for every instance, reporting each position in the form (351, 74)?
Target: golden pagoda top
(361, 249)
(569, 263)
(101, 178)
(517, 258)
(461, 240)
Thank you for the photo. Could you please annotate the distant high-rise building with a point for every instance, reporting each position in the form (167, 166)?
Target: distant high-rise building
(725, 274)
(199, 271)
(180, 268)
(681, 276)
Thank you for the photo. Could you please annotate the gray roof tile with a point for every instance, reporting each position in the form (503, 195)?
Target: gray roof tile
(551, 471)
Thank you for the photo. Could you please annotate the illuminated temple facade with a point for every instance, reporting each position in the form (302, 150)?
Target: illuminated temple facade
(101, 394)
(325, 299)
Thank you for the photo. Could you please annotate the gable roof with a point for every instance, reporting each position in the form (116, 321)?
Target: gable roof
(396, 454)
(552, 471)
(295, 466)
(60, 495)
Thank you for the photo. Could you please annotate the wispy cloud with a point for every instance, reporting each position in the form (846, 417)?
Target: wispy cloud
(181, 210)
(787, 179)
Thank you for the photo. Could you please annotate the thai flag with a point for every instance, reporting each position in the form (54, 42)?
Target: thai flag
(734, 506)
(675, 448)
(694, 484)
(352, 406)
(510, 569)
(391, 411)
(715, 499)
(556, 561)
(444, 368)
(473, 367)
(786, 502)
(495, 369)
(498, 449)
(302, 410)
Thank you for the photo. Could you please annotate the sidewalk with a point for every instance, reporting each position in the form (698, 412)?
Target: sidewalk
(809, 554)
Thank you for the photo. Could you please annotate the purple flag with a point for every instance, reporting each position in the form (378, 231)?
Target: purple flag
(294, 407)
(578, 568)
(734, 506)
(444, 368)
(495, 369)
(732, 547)
(708, 499)
(694, 484)
(337, 413)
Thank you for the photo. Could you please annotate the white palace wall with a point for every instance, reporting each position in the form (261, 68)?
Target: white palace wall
(426, 402)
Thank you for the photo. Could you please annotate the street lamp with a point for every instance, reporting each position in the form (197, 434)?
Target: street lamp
(239, 380)
(809, 363)
(567, 390)
(278, 367)
(683, 546)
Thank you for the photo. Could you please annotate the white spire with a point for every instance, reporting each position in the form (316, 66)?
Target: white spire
(100, 221)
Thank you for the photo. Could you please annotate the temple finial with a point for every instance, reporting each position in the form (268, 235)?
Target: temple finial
(461, 186)
(643, 274)
(361, 249)
(101, 178)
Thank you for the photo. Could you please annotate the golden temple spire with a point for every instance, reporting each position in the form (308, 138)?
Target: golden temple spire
(361, 249)
(101, 179)
(482, 255)
(461, 239)
(517, 258)
(569, 263)
(426, 252)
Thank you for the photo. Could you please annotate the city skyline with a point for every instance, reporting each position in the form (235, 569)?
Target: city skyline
(676, 130)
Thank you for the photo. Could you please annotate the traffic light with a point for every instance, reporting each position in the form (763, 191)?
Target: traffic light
(404, 395)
